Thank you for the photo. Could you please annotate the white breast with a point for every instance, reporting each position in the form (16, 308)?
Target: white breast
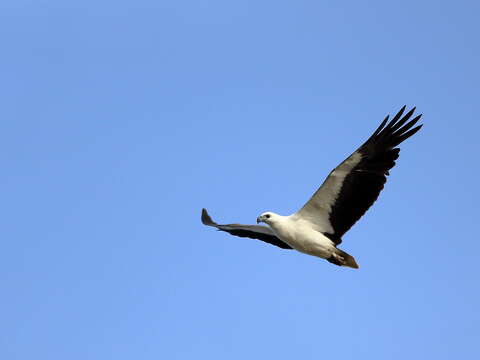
(300, 235)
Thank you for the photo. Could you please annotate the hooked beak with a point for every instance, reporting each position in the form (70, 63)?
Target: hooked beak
(259, 220)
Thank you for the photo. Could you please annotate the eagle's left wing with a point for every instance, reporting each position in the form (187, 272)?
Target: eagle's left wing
(354, 185)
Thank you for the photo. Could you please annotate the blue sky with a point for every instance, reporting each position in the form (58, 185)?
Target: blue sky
(121, 120)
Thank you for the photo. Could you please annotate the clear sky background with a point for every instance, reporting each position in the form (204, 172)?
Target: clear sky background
(120, 120)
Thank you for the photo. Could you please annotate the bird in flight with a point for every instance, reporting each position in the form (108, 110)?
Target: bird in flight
(345, 195)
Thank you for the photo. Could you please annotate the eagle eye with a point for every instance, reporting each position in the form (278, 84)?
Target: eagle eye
(267, 216)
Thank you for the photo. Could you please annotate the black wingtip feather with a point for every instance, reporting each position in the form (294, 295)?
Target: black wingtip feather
(388, 129)
(206, 219)
(406, 135)
(409, 125)
(399, 114)
(392, 134)
(403, 120)
(376, 132)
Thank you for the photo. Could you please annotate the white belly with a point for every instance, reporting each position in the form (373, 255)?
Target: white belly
(304, 239)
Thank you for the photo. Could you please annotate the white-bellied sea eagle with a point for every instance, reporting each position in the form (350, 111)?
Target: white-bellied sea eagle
(345, 195)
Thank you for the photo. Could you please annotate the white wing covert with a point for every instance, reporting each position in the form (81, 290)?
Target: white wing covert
(354, 185)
